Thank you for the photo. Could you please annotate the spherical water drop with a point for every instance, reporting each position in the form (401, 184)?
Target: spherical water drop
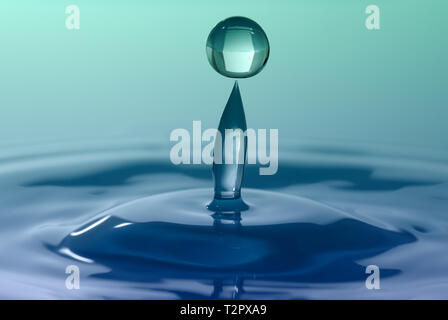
(237, 48)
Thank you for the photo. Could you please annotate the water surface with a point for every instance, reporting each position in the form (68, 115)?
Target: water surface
(138, 227)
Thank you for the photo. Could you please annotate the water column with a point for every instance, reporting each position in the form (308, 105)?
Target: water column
(236, 48)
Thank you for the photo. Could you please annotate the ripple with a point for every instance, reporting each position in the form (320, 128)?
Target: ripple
(279, 236)
(138, 227)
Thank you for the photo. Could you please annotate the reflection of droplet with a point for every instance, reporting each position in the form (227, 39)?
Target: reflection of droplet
(237, 48)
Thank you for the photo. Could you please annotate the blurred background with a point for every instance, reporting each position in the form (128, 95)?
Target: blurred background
(138, 69)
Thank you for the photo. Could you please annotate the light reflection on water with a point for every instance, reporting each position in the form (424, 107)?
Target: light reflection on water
(138, 227)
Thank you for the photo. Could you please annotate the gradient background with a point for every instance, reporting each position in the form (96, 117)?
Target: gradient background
(362, 128)
(138, 68)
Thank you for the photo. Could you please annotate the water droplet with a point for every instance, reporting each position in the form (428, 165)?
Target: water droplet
(237, 48)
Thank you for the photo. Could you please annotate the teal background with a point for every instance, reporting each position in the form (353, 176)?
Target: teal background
(139, 69)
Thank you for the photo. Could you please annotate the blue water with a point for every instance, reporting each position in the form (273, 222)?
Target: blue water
(138, 226)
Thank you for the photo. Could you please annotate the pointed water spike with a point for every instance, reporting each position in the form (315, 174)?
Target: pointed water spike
(230, 151)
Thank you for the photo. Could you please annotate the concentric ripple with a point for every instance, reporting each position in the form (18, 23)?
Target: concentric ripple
(279, 236)
(138, 226)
